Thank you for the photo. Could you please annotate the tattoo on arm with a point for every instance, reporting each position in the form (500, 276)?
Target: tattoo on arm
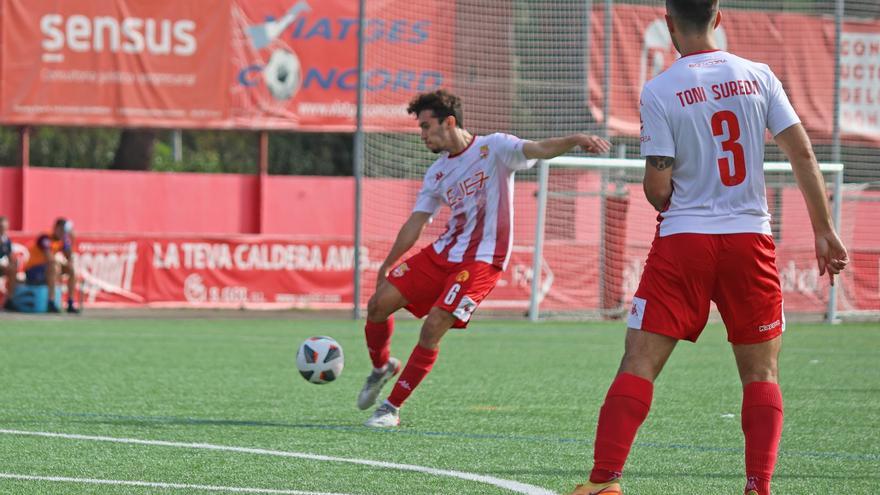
(661, 162)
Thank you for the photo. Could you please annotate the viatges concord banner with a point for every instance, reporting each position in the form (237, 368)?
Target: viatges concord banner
(295, 61)
(270, 64)
(798, 48)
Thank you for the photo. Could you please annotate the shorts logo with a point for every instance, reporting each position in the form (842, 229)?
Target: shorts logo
(768, 327)
(636, 313)
(400, 270)
(465, 309)
(462, 276)
(484, 151)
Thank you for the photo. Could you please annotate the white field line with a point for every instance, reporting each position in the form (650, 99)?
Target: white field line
(510, 485)
(149, 484)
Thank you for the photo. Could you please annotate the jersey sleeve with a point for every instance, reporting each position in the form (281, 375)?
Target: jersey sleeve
(780, 113)
(427, 201)
(510, 149)
(656, 135)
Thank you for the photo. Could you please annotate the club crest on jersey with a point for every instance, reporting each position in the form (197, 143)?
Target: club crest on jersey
(438, 176)
(484, 151)
(462, 276)
(400, 270)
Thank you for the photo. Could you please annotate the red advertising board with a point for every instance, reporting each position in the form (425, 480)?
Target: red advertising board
(798, 48)
(276, 272)
(295, 62)
(239, 271)
(271, 64)
(114, 63)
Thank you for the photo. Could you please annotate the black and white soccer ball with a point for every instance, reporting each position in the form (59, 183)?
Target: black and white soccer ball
(320, 360)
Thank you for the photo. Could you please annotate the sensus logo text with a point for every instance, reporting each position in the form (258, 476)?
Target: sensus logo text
(81, 34)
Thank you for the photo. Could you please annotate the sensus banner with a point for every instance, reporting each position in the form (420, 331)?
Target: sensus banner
(114, 63)
(272, 64)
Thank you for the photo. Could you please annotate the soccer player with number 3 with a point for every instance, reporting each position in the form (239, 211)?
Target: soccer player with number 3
(448, 279)
(703, 125)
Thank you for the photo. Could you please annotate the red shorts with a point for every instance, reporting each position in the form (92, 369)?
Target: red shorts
(685, 271)
(458, 288)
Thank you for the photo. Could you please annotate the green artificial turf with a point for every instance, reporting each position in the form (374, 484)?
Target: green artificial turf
(511, 400)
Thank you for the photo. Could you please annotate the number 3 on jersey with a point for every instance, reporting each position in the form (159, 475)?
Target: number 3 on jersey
(732, 145)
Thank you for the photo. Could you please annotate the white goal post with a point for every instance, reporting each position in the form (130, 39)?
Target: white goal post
(608, 183)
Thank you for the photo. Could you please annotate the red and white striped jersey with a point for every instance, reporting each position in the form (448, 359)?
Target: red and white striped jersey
(709, 111)
(477, 184)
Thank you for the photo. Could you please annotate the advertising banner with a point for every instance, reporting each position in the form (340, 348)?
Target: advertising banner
(267, 64)
(241, 271)
(798, 48)
(114, 63)
(279, 273)
(295, 62)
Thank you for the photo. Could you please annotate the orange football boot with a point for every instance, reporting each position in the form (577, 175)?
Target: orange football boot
(610, 488)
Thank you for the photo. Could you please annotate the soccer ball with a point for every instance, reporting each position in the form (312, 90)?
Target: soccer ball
(320, 360)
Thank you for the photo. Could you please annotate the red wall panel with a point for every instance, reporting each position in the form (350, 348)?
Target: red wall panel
(314, 206)
(10, 195)
(142, 202)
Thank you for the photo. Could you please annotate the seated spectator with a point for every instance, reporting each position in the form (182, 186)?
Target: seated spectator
(8, 264)
(51, 257)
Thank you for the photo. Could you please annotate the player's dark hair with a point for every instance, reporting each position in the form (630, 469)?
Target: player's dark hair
(441, 102)
(692, 15)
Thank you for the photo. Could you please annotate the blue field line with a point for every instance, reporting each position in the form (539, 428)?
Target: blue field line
(448, 434)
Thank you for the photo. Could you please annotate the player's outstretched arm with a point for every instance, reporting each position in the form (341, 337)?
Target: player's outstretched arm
(658, 180)
(409, 233)
(553, 147)
(830, 251)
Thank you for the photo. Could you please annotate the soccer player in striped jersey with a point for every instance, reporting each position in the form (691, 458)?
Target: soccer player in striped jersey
(703, 125)
(449, 278)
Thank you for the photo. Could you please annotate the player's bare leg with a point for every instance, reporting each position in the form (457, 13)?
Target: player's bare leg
(435, 327)
(378, 330)
(626, 406)
(762, 411)
(418, 366)
(645, 353)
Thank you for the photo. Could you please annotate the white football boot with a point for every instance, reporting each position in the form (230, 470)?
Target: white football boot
(386, 416)
(375, 382)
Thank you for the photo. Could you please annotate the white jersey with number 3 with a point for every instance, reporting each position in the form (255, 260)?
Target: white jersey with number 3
(709, 111)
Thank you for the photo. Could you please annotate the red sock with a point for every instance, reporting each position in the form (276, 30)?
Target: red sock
(379, 340)
(420, 363)
(762, 426)
(626, 407)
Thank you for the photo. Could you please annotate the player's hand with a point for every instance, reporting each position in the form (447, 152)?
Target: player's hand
(593, 144)
(830, 254)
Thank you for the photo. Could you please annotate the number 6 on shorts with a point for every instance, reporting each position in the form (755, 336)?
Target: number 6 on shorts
(450, 296)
